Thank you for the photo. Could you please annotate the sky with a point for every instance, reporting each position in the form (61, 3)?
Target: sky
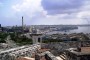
(44, 12)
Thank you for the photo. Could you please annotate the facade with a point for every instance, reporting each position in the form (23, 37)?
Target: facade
(37, 38)
(50, 56)
(0, 25)
(0, 28)
(82, 53)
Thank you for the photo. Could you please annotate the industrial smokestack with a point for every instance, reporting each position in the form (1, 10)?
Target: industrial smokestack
(22, 25)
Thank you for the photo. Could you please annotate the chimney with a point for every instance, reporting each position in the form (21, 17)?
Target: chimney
(22, 25)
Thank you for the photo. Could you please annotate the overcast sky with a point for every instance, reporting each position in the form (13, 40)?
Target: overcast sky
(44, 12)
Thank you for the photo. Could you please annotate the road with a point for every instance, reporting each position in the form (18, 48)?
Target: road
(10, 42)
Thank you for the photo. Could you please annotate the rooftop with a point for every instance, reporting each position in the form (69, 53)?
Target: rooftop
(84, 51)
(25, 58)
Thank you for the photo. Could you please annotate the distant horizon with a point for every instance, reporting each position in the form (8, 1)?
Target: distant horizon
(49, 25)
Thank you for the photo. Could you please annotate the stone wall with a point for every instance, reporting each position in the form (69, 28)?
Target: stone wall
(50, 56)
(13, 54)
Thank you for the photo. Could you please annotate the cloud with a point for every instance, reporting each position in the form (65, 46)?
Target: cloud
(61, 6)
(55, 11)
(30, 9)
(45, 12)
(84, 14)
(28, 6)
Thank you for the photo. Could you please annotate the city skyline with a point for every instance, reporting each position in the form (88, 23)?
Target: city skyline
(44, 12)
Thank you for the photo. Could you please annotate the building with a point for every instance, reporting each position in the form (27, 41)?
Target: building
(81, 52)
(30, 29)
(25, 58)
(0, 25)
(0, 28)
(37, 38)
(18, 52)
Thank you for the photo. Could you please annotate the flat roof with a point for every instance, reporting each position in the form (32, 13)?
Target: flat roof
(84, 51)
(26, 58)
(59, 58)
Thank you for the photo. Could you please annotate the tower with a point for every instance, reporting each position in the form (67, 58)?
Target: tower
(22, 25)
(36, 38)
